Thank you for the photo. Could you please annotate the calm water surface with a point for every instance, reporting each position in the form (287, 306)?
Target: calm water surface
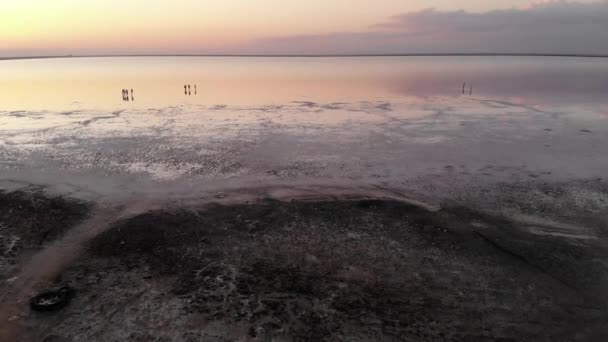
(158, 81)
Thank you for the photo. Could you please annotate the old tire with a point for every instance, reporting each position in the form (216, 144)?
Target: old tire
(52, 300)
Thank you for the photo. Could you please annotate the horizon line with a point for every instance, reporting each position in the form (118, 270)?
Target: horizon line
(489, 54)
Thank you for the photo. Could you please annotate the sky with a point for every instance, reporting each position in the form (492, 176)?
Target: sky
(85, 27)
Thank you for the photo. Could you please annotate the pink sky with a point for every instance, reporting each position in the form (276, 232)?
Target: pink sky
(58, 27)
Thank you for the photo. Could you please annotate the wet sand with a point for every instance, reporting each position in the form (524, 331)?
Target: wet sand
(216, 226)
(431, 231)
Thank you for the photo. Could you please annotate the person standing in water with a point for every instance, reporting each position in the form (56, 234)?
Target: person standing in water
(185, 90)
(195, 89)
(189, 90)
(132, 98)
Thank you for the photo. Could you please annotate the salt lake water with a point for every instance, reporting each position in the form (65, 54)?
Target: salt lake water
(358, 121)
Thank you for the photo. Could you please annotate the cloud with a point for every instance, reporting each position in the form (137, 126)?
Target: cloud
(556, 27)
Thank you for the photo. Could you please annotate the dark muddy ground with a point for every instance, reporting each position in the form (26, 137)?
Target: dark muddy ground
(357, 270)
(29, 220)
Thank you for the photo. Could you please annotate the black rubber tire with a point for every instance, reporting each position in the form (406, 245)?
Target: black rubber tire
(52, 300)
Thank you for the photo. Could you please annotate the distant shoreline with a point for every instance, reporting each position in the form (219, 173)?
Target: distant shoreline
(318, 56)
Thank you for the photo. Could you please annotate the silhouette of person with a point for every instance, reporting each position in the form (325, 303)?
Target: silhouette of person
(132, 98)
(185, 90)
(189, 90)
(195, 89)
(463, 86)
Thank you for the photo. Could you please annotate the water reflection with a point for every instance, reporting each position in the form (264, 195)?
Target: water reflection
(58, 83)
